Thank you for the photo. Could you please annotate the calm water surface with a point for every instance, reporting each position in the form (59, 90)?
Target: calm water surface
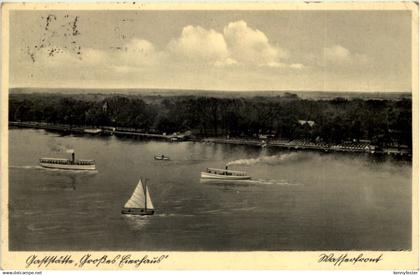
(296, 200)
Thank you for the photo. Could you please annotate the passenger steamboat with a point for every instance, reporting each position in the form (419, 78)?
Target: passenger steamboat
(224, 174)
(68, 164)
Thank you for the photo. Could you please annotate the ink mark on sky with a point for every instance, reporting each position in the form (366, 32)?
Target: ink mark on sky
(52, 29)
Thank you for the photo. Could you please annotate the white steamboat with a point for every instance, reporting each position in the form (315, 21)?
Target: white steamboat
(68, 164)
(224, 174)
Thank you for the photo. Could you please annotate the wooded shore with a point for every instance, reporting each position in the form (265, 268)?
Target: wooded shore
(296, 144)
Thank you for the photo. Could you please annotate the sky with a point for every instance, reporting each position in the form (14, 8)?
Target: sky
(212, 50)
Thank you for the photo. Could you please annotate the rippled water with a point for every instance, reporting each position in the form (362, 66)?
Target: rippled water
(295, 200)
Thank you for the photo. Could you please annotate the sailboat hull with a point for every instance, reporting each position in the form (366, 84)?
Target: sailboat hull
(137, 211)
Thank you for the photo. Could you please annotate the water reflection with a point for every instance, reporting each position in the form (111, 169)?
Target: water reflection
(136, 222)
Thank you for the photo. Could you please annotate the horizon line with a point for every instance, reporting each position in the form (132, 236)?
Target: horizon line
(204, 90)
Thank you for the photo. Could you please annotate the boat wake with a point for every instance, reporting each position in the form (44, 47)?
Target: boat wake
(42, 227)
(247, 182)
(163, 215)
(272, 182)
(275, 159)
(38, 167)
(68, 171)
(26, 167)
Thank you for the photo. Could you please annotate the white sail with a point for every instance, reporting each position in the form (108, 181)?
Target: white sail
(149, 200)
(137, 198)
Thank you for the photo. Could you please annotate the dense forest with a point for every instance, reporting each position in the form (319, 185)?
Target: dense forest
(382, 122)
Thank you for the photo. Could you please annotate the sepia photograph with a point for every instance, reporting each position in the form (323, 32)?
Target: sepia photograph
(210, 129)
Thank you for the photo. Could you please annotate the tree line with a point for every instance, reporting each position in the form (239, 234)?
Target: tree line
(382, 122)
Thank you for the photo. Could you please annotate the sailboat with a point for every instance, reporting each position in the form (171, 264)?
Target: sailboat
(139, 202)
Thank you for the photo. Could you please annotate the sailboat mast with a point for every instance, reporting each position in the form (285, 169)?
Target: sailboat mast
(145, 194)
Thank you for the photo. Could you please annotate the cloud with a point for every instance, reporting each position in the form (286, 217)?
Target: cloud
(198, 44)
(136, 52)
(275, 64)
(250, 46)
(336, 53)
(54, 56)
(92, 56)
(226, 62)
(237, 45)
(297, 66)
(139, 46)
(339, 55)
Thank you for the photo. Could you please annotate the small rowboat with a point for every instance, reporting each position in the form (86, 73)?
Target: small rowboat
(161, 157)
(224, 174)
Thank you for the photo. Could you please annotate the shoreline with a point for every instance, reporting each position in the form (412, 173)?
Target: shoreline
(296, 144)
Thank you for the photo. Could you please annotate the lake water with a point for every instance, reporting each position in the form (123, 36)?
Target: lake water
(296, 200)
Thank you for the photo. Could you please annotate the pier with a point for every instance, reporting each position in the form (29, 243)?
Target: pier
(92, 130)
(300, 144)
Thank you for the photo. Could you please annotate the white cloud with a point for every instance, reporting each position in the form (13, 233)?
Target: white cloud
(339, 55)
(55, 56)
(139, 46)
(226, 62)
(92, 56)
(198, 44)
(250, 46)
(137, 51)
(275, 64)
(336, 53)
(237, 45)
(134, 53)
(297, 66)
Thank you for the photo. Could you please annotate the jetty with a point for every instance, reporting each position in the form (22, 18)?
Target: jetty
(101, 130)
(301, 144)
(49, 126)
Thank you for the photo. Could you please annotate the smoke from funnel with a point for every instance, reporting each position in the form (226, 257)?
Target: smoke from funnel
(275, 159)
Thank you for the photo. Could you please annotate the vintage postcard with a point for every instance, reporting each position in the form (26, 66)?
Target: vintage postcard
(209, 136)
